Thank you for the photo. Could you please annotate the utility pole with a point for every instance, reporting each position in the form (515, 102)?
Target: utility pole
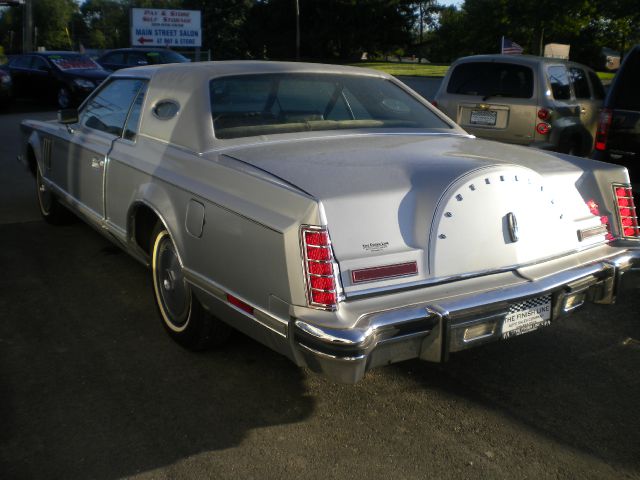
(297, 29)
(27, 22)
(27, 26)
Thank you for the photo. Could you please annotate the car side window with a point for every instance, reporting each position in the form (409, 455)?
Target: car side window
(117, 57)
(559, 80)
(596, 84)
(580, 83)
(133, 120)
(108, 110)
(135, 59)
(39, 63)
(22, 62)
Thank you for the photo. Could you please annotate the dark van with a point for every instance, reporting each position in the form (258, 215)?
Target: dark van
(618, 134)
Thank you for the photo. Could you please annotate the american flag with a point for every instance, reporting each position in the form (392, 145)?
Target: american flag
(510, 47)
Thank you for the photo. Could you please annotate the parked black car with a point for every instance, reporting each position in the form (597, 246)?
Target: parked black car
(65, 78)
(135, 57)
(618, 134)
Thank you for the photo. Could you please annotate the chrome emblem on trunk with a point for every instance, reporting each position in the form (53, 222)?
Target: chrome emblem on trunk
(512, 223)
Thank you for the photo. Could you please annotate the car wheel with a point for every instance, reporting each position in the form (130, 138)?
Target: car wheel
(50, 208)
(572, 146)
(183, 317)
(64, 97)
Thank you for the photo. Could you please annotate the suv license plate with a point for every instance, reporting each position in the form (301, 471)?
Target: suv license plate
(484, 117)
(527, 316)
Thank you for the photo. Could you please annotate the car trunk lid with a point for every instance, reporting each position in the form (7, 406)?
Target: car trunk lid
(446, 205)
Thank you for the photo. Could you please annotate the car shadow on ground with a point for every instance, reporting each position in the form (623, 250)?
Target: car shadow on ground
(575, 383)
(93, 388)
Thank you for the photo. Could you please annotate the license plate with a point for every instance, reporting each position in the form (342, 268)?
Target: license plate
(484, 117)
(527, 316)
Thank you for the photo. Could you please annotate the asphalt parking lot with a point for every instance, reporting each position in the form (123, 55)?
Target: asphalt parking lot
(91, 387)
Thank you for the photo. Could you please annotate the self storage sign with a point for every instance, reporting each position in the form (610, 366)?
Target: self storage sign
(160, 27)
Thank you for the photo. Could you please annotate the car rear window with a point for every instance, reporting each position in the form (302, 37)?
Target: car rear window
(626, 94)
(580, 83)
(252, 105)
(491, 79)
(598, 89)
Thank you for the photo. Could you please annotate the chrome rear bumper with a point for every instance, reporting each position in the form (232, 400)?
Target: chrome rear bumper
(433, 330)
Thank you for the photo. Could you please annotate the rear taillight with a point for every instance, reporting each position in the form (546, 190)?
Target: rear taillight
(604, 221)
(543, 128)
(544, 114)
(604, 122)
(320, 269)
(626, 210)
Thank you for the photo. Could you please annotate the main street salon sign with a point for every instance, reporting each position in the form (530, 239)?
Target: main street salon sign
(161, 27)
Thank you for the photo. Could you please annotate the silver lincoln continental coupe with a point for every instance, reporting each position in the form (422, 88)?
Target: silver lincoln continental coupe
(331, 213)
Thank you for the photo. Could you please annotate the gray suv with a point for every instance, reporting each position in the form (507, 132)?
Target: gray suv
(540, 102)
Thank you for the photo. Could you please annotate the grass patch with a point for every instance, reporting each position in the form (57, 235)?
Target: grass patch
(414, 69)
(606, 76)
(428, 70)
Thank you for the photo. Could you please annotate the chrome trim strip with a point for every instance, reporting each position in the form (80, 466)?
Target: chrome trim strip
(265, 319)
(332, 357)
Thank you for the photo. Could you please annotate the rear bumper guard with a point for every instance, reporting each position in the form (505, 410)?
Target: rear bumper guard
(432, 331)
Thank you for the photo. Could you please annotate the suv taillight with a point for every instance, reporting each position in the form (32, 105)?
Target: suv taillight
(604, 122)
(320, 269)
(544, 114)
(626, 211)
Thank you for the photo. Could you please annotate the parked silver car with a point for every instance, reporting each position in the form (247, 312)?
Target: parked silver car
(331, 213)
(541, 102)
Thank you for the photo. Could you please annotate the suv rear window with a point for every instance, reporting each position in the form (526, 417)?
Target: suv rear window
(492, 79)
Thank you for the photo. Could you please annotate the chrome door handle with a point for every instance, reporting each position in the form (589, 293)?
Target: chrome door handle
(95, 163)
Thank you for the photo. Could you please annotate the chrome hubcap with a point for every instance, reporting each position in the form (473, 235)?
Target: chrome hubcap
(44, 196)
(174, 293)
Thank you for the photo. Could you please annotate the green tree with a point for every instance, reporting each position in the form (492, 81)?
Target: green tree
(329, 28)
(53, 21)
(107, 23)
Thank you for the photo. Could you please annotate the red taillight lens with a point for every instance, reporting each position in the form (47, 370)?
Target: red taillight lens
(593, 207)
(543, 128)
(320, 269)
(626, 211)
(319, 239)
(318, 253)
(604, 122)
(324, 298)
(544, 114)
(434, 103)
(322, 283)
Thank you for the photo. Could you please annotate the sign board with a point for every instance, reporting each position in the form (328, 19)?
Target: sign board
(557, 50)
(161, 27)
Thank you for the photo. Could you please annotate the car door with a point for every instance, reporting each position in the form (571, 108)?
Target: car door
(42, 83)
(19, 69)
(589, 106)
(81, 171)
